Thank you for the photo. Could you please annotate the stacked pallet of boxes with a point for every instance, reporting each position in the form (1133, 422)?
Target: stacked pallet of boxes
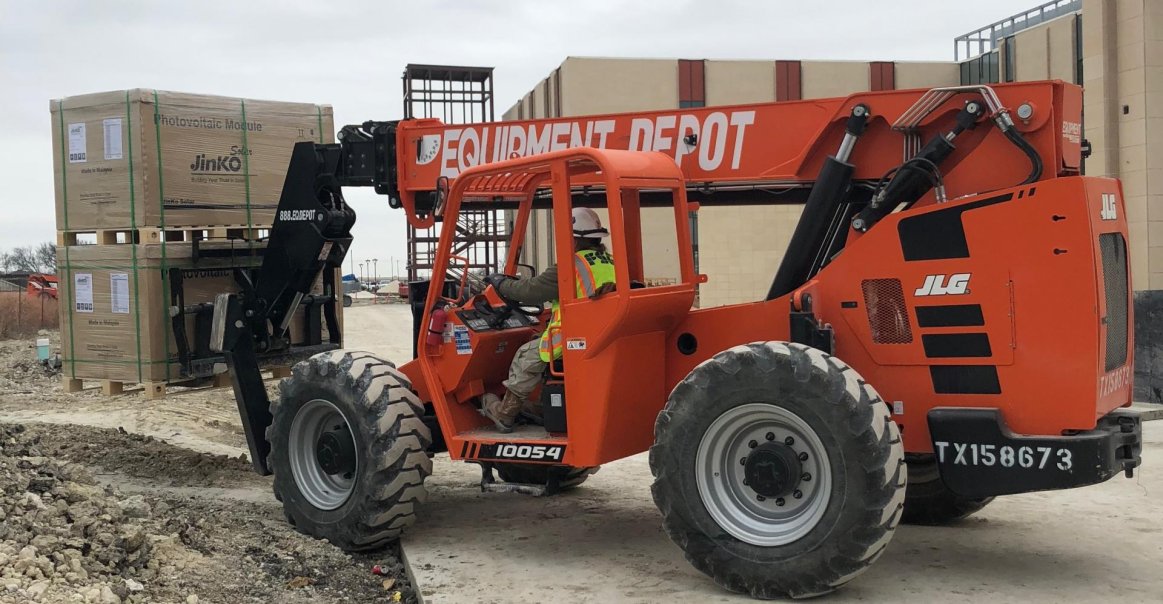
(147, 182)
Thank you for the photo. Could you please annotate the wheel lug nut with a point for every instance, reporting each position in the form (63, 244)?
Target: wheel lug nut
(805, 476)
(798, 494)
(803, 456)
(789, 441)
(743, 461)
(760, 498)
(744, 482)
(770, 436)
(752, 444)
(780, 502)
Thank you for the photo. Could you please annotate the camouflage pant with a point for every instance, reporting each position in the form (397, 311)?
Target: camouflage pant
(526, 370)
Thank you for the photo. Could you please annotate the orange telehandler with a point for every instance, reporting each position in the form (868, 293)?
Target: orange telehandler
(951, 322)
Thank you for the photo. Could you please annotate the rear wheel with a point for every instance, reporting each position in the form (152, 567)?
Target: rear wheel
(928, 501)
(346, 300)
(348, 450)
(568, 477)
(778, 471)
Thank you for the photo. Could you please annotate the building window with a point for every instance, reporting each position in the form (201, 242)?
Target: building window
(692, 88)
(787, 81)
(1078, 49)
(882, 75)
(1011, 66)
(980, 70)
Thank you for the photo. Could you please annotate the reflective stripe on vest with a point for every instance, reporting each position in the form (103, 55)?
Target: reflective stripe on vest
(593, 269)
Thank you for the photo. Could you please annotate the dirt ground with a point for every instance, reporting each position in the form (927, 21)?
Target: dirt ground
(122, 499)
(172, 506)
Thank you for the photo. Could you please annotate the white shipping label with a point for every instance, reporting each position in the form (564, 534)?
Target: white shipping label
(83, 292)
(77, 143)
(112, 127)
(119, 292)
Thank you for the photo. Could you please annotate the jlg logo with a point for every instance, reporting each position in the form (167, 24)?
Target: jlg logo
(935, 285)
(1110, 209)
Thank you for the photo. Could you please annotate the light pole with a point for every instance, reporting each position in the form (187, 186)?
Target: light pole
(361, 273)
(397, 269)
(377, 269)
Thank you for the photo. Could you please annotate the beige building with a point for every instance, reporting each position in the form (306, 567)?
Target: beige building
(739, 247)
(1113, 47)
(1122, 66)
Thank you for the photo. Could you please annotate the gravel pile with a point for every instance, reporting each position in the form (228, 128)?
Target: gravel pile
(62, 534)
(66, 538)
(20, 372)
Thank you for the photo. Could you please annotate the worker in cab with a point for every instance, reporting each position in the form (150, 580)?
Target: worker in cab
(594, 268)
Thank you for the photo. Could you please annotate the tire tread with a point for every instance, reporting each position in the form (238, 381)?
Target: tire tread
(868, 422)
(396, 440)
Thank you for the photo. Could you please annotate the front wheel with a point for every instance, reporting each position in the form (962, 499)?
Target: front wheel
(778, 470)
(348, 450)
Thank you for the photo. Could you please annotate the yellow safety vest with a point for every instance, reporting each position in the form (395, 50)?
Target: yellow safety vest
(594, 269)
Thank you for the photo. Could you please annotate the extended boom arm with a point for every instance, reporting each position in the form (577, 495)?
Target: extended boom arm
(762, 153)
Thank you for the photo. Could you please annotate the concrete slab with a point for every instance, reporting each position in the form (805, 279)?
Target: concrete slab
(604, 543)
(1148, 411)
(382, 329)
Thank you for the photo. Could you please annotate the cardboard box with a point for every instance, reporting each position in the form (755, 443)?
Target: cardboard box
(115, 301)
(149, 158)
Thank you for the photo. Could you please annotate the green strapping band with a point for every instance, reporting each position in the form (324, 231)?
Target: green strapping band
(161, 196)
(246, 165)
(65, 203)
(113, 362)
(133, 225)
(319, 118)
(122, 267)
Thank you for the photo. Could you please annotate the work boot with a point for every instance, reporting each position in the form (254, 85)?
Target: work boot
(531, 410)
(501, 410)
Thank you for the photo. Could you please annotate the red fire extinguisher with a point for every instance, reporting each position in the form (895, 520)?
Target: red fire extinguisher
(436, 326)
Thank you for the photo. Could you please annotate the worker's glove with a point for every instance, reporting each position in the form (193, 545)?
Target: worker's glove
(495, 280)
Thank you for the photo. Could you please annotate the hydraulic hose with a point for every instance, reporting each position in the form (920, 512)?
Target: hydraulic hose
(1020, 142)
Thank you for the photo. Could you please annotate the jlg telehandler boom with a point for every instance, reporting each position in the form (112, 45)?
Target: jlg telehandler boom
(953, 307)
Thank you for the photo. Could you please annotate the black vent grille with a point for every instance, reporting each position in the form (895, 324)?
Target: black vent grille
(1114, 274)
(884, 299)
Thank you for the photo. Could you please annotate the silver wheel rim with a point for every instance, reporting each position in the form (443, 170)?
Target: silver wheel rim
(320, 489)
(719, 473)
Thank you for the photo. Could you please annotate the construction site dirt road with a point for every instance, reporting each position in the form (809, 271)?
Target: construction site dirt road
(176, 515)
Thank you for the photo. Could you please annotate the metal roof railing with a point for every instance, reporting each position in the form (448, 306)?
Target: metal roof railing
(985, 39)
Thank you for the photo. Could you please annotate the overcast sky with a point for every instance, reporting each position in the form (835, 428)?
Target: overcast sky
(351, 55)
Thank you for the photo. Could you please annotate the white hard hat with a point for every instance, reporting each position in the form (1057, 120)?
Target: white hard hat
(587, 224)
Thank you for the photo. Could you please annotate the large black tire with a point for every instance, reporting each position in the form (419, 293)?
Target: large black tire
(568, 477)
(865, 465)
(347, 300)
(389, 437)
(929, 502)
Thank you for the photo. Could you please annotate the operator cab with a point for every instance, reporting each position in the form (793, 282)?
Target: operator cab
(589, 416)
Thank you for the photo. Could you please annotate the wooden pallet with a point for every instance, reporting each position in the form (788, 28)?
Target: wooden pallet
(183, 234)
(159, 390)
